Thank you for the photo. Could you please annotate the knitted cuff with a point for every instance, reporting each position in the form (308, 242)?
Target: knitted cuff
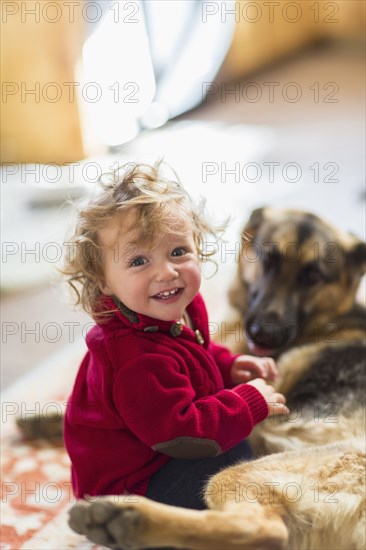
(255, 401)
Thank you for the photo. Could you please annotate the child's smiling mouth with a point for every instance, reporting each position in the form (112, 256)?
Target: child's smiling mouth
(168, 295)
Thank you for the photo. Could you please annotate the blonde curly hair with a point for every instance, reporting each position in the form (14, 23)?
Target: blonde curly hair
(161, 205)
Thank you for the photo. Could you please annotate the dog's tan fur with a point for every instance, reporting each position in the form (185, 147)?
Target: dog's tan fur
(309, 494)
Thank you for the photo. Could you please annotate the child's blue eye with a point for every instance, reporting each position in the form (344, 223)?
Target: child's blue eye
(179, 251)
(136, 262)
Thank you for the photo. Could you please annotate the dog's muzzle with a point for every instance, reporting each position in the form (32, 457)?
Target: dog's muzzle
(267, 333)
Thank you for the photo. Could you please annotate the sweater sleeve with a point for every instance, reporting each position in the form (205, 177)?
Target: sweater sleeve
(224, 360)
(158, 404)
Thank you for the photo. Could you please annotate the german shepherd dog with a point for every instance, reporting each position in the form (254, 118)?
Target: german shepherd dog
(294, 292)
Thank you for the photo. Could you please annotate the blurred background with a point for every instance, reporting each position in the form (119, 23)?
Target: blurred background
(252, 102)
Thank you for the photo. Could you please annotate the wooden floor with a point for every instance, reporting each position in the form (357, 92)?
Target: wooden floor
(323, 132)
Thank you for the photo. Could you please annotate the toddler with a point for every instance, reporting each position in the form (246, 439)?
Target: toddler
(156, 407)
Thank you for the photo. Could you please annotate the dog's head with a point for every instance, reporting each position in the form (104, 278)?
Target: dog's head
(294, 270)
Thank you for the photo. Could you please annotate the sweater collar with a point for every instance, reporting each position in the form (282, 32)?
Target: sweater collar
(145, 323)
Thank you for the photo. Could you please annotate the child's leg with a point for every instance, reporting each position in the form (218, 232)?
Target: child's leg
(181, 482)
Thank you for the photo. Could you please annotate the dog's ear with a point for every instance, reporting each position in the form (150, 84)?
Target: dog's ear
(238, 289)
(238, 292)
(357, 256)
(255, 220)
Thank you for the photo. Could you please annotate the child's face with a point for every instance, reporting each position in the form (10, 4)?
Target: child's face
(141, 276)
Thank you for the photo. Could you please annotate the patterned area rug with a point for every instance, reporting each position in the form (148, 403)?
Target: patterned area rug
(36, 490)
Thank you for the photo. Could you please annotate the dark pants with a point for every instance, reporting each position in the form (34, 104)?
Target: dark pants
(181, 482)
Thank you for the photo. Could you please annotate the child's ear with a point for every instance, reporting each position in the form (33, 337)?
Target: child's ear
(104, 288)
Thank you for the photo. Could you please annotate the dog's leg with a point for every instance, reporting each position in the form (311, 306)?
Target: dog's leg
(142, 523)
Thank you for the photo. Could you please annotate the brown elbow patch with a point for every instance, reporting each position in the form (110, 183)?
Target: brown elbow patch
(189, 447)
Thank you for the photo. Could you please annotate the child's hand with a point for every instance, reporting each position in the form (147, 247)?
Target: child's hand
(247, 367)
(276, 401)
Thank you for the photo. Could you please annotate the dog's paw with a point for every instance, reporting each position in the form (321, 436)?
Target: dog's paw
(106, 523)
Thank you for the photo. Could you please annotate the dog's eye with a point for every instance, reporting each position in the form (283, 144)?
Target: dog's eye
(311, 275)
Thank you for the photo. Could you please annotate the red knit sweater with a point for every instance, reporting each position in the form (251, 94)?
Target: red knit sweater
(144, 393)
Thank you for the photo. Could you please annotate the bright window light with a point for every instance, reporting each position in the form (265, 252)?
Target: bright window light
(143, 69)
(118, 77)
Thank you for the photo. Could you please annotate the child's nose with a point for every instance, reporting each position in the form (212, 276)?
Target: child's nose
(166, 272)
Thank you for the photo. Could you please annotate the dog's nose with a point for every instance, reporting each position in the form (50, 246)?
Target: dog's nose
(267, 332)
(253, 330)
